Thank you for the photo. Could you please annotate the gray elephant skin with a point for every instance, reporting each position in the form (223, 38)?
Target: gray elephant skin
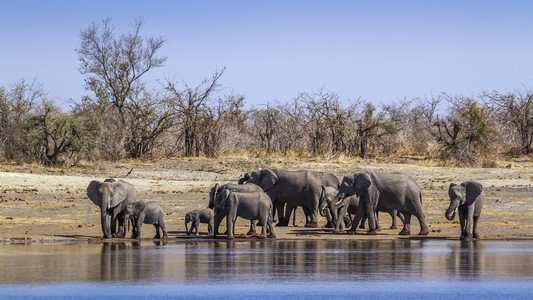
(348, 206)
(247, 205)
(198, 216)
(466, 199)
(292, 189)
(146, 213)
(111, 197)
(378, 191)
(217, 189)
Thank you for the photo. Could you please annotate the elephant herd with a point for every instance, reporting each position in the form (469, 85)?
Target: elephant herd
(270, 194)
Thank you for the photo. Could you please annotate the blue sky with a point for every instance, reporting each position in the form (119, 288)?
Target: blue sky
(381, 51)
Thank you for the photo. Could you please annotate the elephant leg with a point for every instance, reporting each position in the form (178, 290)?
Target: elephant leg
(330, 220)
(378, 226)
(359, 214)
(371, 215)
(230, 222)
(288, 211)
(307, 214)
(339, 218)
(406, 225)
(210, 226)
(217, 220)
(252, 230)
(313, 220)
(393, 217)
(157, 235)
(121, 226)
(424, 229)
(163, 228)
(474, 230)
(284, 221)
(264, 221)
(468, 223)
(462, 222)
(363, 220)
(281, 215)
(196, 225)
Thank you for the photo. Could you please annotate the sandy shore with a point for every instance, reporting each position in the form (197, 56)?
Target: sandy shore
(43, 205)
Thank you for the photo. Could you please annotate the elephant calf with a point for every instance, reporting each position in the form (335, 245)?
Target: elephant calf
(198, 216)
(149, 213)
(349, 206)
(466, 198)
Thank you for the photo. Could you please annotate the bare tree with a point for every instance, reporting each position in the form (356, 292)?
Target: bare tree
(464, 133)
(17, 106)
(265, 127)
(371, 125)
(192, 106)
(516, 109)
(114, 66)
(150, 115)
(291, 125)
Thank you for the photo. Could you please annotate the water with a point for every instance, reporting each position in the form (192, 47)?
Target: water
(269, 269)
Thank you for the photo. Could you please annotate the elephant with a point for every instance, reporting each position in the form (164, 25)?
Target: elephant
(149, 213)
(248, 205)
(217, 189)
(292, 189)
(349, 206)
(244, 178)
(198, 216)
(111, 196)
(466, 198)
(377, 191)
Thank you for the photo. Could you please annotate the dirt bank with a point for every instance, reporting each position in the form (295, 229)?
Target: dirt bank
(39, 204)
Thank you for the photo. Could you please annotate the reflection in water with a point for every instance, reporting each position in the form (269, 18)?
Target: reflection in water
(259, 262)
(301, 260)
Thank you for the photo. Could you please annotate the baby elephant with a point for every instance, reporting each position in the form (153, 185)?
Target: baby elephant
(149, 213)
(466, 198)
(198, 216)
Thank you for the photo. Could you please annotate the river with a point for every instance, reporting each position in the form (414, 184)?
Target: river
(400, 269)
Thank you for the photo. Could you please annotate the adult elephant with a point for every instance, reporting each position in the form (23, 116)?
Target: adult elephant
(349, 206)
(217, 189)
(292, 189)
(392, 191)
(467, 198)
(112, 197)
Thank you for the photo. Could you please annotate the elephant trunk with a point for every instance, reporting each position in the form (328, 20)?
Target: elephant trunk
(339, 199)
(187, 228)
(322, 208)
(450, 212)
(334, 212)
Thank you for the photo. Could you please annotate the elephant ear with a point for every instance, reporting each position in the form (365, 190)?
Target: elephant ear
(213, 195)
(267, 179)
(119, 192)
(473, 190)
(220, 200)
(362, 182)
(93, 192)
(139, 206)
